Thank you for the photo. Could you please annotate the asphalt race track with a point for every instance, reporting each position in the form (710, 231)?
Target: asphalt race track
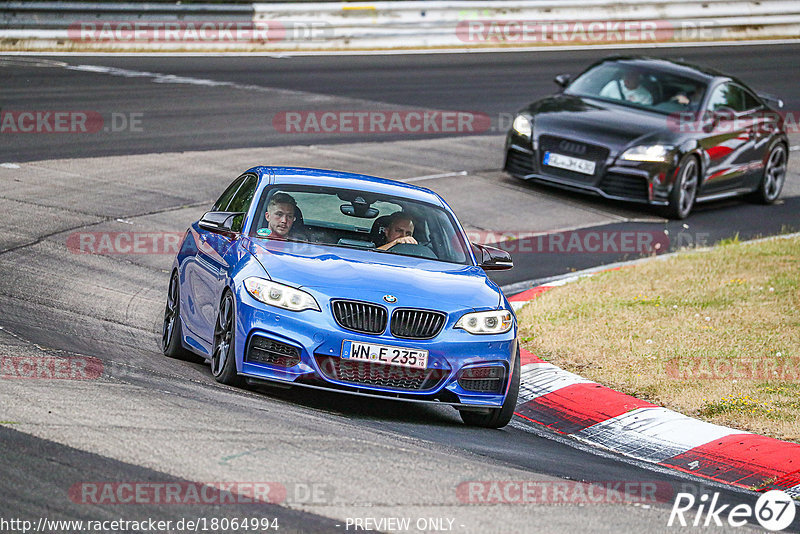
(333, 458)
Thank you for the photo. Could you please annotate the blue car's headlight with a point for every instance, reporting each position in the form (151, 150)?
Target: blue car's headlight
(280, 295)
(487, 322)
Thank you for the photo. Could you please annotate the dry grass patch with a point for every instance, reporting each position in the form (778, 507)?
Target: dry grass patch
(714, 335)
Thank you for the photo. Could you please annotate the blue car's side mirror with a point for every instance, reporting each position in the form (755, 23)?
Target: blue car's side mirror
(222, 221)
(492, 259)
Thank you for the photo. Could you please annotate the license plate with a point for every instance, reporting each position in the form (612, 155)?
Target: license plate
(583, 166)
(400, 356)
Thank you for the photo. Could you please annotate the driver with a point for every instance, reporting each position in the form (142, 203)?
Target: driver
(280, 216)
(399, 229)
(629, 88)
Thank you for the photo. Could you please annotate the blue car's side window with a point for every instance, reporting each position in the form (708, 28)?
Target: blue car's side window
(222, 202)
(238, 197)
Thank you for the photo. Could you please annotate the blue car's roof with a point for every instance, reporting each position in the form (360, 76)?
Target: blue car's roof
(344, 180)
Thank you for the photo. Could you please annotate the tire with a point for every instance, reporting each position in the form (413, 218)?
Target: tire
(684, 192)
(769, 189)
(497, 417)
(171, 331)
(223, 360)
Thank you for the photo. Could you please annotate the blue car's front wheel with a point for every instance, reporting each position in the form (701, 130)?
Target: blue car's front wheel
(497, 417)
(223, 361)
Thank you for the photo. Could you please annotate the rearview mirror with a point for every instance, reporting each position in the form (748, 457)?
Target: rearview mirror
(222, 221)
(362, 211)
(492, 259)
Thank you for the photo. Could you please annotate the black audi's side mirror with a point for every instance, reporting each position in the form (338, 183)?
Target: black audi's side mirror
(562, 80)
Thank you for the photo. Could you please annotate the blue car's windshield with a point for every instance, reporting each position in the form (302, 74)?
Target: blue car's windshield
(359, 219)
(638, 87)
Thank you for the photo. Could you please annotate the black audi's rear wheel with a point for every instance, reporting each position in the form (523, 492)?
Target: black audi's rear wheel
(774, 176)
(223, 361)
(171, 332)
(684, 192)
(497, 417)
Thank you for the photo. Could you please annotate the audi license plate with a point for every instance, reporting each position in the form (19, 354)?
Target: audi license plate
(369, 352)
(583, 166)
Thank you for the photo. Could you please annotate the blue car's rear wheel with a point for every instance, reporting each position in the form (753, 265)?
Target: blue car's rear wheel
(171, 332)
(223, 361)
(497, 417)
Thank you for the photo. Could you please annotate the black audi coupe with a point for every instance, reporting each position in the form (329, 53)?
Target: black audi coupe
(653, 131)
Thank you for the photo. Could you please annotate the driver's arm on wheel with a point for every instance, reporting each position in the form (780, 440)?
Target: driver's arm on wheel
(405, 239)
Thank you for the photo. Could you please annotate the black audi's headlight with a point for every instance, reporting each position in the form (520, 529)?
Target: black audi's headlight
(522, 125)
(649, 153)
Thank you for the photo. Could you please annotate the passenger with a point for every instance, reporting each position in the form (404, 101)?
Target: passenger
(280, 216)
(399, 229)
(628, 88)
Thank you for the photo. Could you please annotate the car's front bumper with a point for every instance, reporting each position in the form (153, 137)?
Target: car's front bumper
(312, 343)
(646, 183)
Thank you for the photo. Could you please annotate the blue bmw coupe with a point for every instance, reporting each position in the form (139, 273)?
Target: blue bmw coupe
(345, 282)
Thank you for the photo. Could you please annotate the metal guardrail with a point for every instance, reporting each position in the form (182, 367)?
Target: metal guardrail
(389, 24)
(59, 15)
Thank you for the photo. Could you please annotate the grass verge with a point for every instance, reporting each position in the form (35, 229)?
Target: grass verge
(714, 335)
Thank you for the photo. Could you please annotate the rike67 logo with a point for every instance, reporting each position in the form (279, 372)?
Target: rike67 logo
(774, 510)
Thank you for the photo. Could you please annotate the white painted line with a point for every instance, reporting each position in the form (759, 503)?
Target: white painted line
(434, 176)
(157, 77)
(794, 148)
(400, 52)
(538, 379)
(9, 165)
(653, 434)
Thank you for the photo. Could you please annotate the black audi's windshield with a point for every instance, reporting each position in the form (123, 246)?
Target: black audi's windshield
(641, 87)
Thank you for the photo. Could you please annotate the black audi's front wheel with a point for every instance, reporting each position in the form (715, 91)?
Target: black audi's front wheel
(684, 192)
(223, 361)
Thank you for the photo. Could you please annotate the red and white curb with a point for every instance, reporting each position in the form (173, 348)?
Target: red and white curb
(602, 417)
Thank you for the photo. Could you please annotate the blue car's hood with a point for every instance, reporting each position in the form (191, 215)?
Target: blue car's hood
(368, 275)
